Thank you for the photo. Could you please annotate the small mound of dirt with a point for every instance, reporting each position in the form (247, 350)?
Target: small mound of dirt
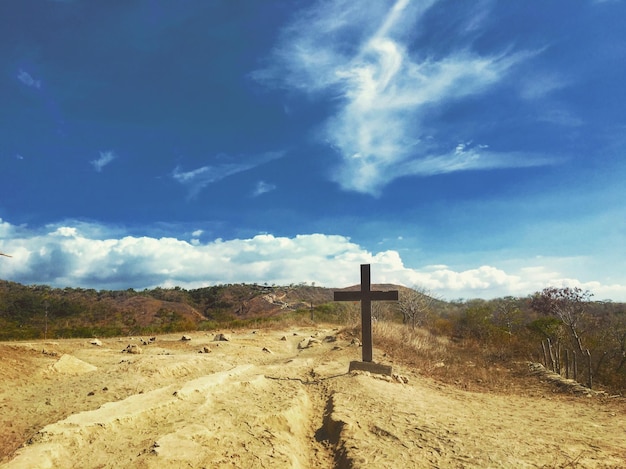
(70, 365)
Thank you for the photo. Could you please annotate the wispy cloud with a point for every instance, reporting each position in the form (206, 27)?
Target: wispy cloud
(199, 178)
(76, 254)
(263, 187)
(383, 91)
(28, 80)
(105, 158)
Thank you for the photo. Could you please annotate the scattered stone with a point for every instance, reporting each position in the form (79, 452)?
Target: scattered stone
(105, 388)
(283, 338)
(266, 350)
(561, 383)
(355, 342)
(330, 338)
(307, 343)
(91, 393)
(206, 350)
(221, 338)
(400, 379)
(133, 348)
(96, 342)
(185, 338)
(152, 339)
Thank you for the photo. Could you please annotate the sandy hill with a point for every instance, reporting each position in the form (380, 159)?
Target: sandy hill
(277, 398)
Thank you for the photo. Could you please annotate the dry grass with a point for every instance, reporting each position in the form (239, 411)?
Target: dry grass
(462, 363)
(416, 347)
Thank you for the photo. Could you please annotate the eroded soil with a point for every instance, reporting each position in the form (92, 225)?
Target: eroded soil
(276, 399)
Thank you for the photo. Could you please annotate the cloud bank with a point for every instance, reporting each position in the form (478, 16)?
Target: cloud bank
(82, 255)
(383, 91)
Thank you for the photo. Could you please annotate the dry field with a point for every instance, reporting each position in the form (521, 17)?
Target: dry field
(277, 399)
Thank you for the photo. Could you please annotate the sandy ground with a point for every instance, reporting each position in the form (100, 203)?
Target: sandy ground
(275, 399)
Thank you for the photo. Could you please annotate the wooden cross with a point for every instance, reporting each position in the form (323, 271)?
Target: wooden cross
(366, 296)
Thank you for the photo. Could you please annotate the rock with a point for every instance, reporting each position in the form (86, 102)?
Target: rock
(185, 338)
(221, 338)
(330, 338)
(266, 350)
(152, 339)
(307, 343)
(356, 342)
(133, 348)
(206, 350)
(96, 342)
(283, 338)
(400, 379)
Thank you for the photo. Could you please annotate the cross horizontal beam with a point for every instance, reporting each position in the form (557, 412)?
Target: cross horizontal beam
(373, 296)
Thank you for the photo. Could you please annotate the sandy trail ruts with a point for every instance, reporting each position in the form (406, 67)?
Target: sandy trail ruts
(241, 406)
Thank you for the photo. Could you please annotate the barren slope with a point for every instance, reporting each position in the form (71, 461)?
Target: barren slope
(293, 404)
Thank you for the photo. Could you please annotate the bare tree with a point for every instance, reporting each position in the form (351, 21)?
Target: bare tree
(416, 305)
(567, 304)
(507, 314)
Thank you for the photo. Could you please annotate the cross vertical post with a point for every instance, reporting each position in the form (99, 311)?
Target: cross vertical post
(365, 295)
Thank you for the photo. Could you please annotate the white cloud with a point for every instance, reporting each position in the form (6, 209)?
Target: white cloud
(383, 92)
(263, 187)
(539, 86)
(27, 79)
(197, 179)
(83, 255)
(105, 158)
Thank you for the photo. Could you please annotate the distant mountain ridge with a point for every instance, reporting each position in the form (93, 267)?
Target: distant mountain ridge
(37, 311)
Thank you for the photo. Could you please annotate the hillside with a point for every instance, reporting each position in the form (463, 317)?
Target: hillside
(280, 398)
(28, 312)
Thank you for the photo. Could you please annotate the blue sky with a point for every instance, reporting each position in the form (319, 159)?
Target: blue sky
(475, 149)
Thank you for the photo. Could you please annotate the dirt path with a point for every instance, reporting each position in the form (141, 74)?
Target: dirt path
(272, 399)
